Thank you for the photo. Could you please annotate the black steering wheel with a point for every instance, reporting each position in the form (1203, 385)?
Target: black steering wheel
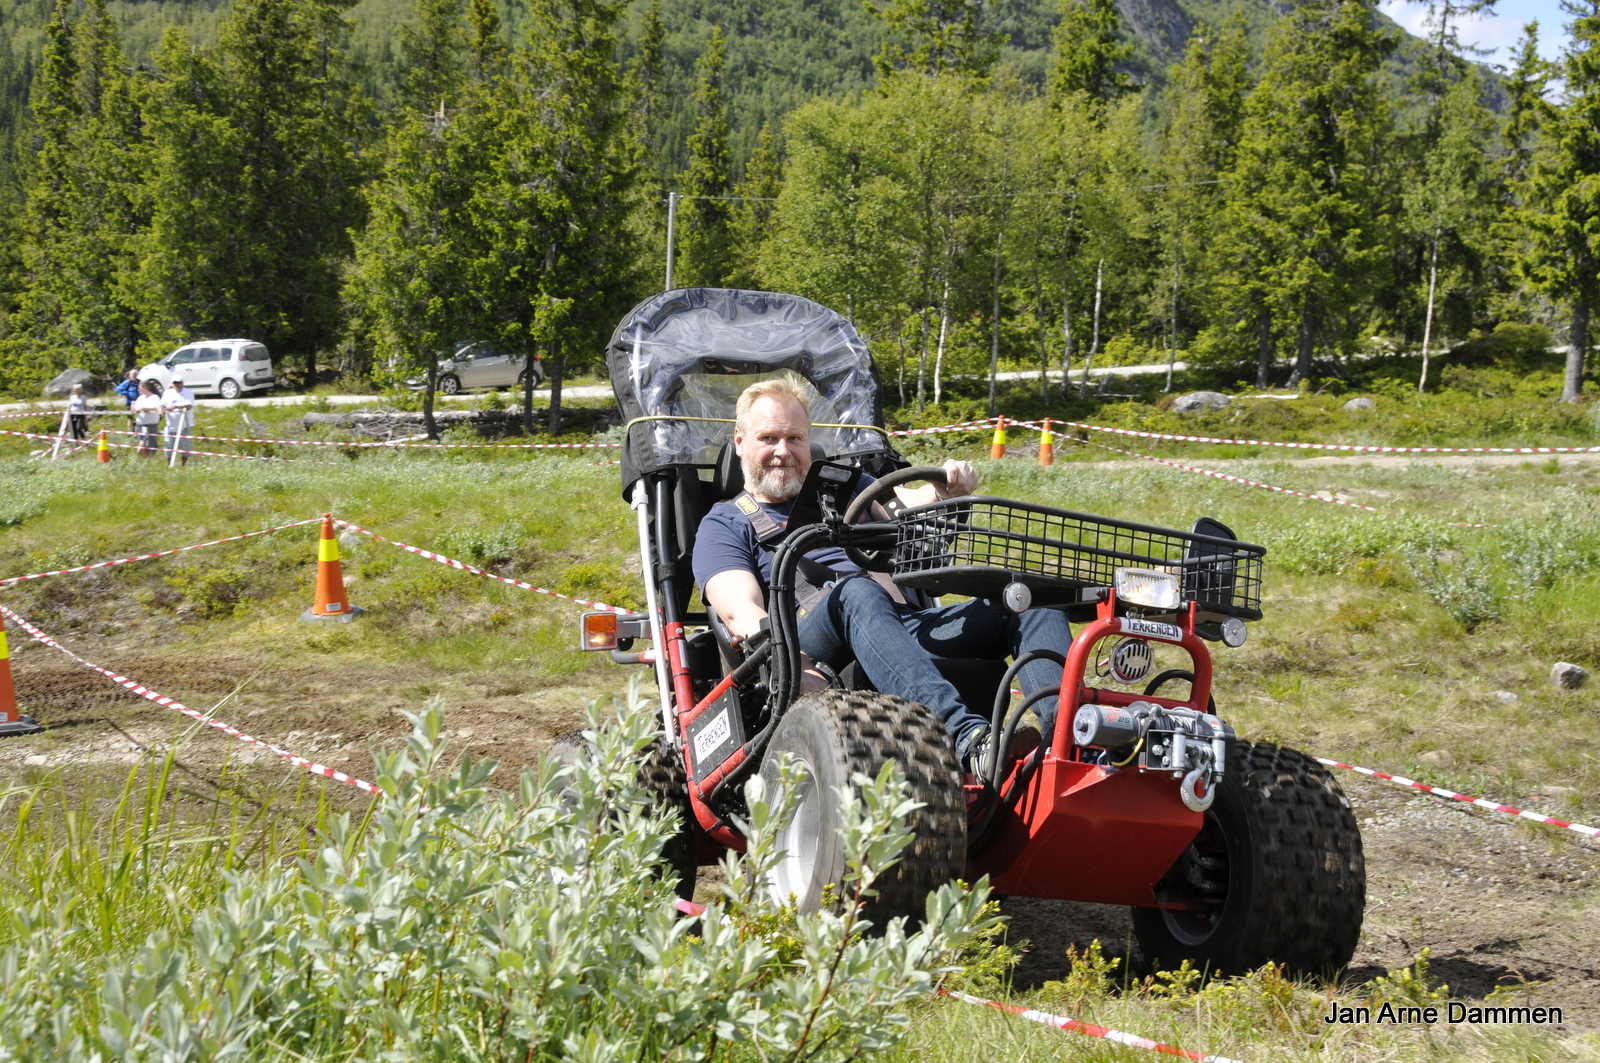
(882, 490)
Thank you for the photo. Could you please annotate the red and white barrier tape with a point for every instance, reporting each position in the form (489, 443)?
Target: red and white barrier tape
(159, 553)
(964, 426)
(168, 703)
(1257, 483)
(45, 413)
(1234, 479)
(1320, 446)
(161, 448)
(1061, 1022)
(1439, 791)
(391, 446)
(463, 566)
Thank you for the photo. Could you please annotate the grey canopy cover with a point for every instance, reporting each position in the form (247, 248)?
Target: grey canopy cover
(689, 352)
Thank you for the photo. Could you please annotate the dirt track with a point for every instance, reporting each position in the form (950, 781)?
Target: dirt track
(1497, 900)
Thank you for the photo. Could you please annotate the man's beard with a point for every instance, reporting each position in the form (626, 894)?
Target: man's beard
(779, 482)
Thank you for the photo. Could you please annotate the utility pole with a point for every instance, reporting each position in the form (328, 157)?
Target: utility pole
(672, 218)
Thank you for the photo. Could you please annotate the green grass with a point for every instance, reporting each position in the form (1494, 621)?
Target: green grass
(1375, 650)
(1350, 595)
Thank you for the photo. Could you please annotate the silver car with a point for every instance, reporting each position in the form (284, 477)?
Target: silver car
(482, 364)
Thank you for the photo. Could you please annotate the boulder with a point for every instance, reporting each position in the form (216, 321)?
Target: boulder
(62, 386)
(1568, 676)
(1196, 401)
(1504, 697)
(1363, 403)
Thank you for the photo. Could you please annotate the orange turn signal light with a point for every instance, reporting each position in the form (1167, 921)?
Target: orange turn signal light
(599, 631)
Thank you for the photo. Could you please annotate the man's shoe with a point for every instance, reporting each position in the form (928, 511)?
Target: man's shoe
(977, 752)
(1024, 740)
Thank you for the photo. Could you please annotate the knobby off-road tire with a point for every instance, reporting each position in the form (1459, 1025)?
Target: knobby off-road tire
(1281, 850)
(835, 734)
(661, 774)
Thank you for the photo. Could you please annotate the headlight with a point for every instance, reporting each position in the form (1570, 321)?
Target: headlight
(1149, 588)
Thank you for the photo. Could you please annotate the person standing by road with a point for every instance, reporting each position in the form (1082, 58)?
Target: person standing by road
(177, 402)
(78, 413)
(147, 418)
(129, 390)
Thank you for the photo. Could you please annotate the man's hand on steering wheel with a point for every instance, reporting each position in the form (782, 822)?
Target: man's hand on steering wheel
(955, 479)
(960, 478)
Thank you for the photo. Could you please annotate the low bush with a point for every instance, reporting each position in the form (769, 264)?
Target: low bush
(459, 922)
(489, 544)
(1329, 546)
(1463, 586)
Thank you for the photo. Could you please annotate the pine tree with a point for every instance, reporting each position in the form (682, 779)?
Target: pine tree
(1526, 107)
(574, 93)
(754, 207)
(1561, 212)
(706, 256)
(1527, 112)
(85, 206)
(409, 281)
(1088, 51)
(486, 49)
(1449, 204)
(945, 39)
(433, 49)
(1200, 134)
(648, 72)
(1304, 216)
(256, 180)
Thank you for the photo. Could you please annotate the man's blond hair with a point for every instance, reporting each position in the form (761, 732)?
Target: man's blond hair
(784, 388)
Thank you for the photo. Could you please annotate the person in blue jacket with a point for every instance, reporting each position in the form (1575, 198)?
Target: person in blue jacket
(129, 388)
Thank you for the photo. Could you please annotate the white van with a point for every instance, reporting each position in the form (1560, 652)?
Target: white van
(229, 368)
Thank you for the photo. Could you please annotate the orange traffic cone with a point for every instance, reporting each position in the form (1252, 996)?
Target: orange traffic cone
(102, 449)
(997, 449)
(1047, 445)
(331, 603)
(12, 722)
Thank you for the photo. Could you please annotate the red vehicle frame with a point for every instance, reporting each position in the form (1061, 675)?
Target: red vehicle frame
(1068, 806)
(1229, 852)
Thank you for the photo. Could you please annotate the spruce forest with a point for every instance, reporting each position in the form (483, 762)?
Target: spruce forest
(1265, 189)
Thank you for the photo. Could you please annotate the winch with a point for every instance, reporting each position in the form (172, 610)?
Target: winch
(1151, 737)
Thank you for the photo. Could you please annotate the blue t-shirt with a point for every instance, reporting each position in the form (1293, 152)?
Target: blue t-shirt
(727, 541)
(128, 389)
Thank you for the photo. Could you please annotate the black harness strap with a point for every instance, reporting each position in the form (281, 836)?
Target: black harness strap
(815, 577)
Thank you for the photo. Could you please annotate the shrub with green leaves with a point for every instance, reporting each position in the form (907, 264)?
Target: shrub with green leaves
(1463, 586)
(1562, 540)
(465, 923)
(1327, 546)
(485, 544)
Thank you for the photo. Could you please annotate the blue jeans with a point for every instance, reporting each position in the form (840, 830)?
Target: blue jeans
(895, 644)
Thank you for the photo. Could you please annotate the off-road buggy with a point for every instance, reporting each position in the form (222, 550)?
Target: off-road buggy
(1231, 853)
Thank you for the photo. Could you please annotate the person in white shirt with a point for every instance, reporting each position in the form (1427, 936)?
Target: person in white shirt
(78, 413)
(178, 404)
(146, 417)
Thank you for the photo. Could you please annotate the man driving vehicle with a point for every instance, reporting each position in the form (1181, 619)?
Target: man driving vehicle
(854, 616)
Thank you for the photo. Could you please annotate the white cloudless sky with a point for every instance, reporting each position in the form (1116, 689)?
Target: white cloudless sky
(1497, 33)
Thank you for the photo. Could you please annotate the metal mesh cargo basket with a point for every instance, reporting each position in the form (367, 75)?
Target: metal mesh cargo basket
(975, 546)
